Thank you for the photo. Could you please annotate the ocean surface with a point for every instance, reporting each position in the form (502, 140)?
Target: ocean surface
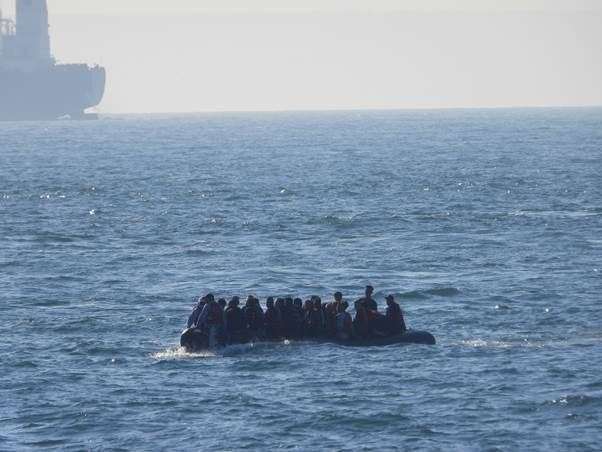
(485, 224)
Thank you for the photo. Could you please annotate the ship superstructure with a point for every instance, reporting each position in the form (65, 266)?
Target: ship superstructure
(32, 84)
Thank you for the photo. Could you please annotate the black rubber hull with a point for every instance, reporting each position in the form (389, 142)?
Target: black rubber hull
(192, 340)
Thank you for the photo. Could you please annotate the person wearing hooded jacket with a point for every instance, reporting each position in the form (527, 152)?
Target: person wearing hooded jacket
(212, 319)
(343, 322)
(395, 323)
(315, 321)
(254, 318)
(234, 321)
(196, 313)
(273, 320)
(361, 324)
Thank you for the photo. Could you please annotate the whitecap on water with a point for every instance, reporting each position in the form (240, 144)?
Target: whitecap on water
(178, 353)
(479, 343)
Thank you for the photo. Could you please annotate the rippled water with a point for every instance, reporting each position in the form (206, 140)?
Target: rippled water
(486, 224)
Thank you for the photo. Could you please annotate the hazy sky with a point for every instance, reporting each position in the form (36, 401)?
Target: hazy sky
(203, 55)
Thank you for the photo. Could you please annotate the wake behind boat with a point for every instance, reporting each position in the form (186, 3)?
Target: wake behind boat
(214, 324)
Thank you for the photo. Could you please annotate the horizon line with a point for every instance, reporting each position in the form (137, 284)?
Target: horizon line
(353, 110)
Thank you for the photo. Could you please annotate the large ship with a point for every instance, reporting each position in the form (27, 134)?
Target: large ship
(32, 85)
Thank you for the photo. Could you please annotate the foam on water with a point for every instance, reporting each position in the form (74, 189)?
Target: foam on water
(178, 353)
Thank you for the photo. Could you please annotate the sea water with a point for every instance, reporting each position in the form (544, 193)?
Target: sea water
(485, 224)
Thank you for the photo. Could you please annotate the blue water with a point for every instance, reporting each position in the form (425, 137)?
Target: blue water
(486, 224)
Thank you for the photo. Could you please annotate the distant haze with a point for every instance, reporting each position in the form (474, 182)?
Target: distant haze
(197, 55)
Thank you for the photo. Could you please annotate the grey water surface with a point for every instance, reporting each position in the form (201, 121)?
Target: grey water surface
(486, 224)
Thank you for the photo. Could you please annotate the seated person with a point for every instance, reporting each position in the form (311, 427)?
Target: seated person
(315, 323)
(273, 320)
(212, 320)
(234, 322)
(395, 323)
(343, 322)
(288, 318)
(253, 317)
(330, 312)
(361, 325)
(196, 313)
(369, 302)
(298, 318)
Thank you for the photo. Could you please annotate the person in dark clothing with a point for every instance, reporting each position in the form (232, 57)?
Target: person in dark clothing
(196, 313)
(288, 322)
(343, 322)
(257, 305)
(395, 323)
(234, 321)
(212, 319)
(298, 317)
(330, 314)
(279, 305)
(338, 300)
(308, 305)
(361, 325)
(223, 304)
(369, 302)
(253, 317)
(374, 319)
(273, 321)
(315, 323)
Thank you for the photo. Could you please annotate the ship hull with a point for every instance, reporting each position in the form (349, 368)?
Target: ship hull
(50, 93)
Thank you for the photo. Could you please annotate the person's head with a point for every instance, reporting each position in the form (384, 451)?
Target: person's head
(390, 300)
(250, 301)
(317, 303)
(288, 301)
(209, 298)
(222, 302)
(298, 302)
(338, 296)
(369, 291)
(308, 304)
(235, 301)
(270, 302)
(279, 302)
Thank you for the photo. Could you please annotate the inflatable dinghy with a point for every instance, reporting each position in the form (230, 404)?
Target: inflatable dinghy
(194, 340)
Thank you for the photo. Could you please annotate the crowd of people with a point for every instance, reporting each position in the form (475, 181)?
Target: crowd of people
(225, 322)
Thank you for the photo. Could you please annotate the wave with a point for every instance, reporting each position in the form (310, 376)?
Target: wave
(443, 291)
(478, 343)
(577, 400)
(179, 353)
(584, 340)
(333, 220)
(426, 293)
(414, 294)
(198, 252)
(566, 214)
